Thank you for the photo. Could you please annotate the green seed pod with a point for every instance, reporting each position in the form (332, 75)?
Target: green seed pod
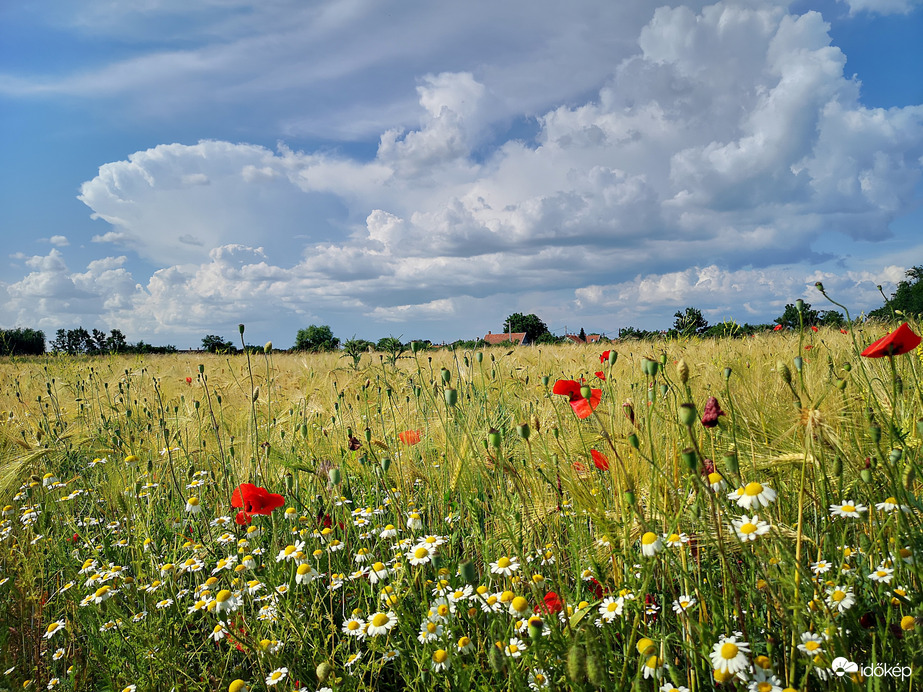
(663, 358)
(875, 433)
(613, 356)
(687, 414)
(630, 498)
(451, 396)
(586, 392)
(267, 347)
(633, 441)
(240, 328)
(682, 370)
(201, 368)
(385, 464)
(646, 365)
(727, 374)
(596, 670)
(895, 455)
(690, 459)
(493, 438)
(368, 434)
(535, 630)
(446, 375)
(784, 372)
(479, 356)
(799, 363)
(576, 663)
(467, 571)
(865, 475)
(523, 430)
(545, 380)
(838, 467)
(841, 384)
(555, 432)
(847, 367)
(731, 464)
(664, 389)
(333, 475)
(416, 346)
(323, 671)
(799, 305)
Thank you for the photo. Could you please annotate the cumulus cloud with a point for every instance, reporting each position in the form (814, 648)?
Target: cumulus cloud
(882, 6)
(708, 162)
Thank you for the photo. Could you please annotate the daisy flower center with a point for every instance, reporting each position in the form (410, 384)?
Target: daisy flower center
(222, 595)
(753, 489)
(612, 607)
(420, 553)
(838, 595)
(440, 655)
(729, 650)
(649, 538)
(848, 508)
(519, 603)
(380, 620)
(504, 562)
(748, 528)
(811, 645)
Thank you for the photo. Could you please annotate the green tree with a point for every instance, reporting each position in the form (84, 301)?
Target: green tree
(908, 298)
(791, 320)
(530, 324)
(22, 342)
(215, 344)
(316, 338)
(690, 322)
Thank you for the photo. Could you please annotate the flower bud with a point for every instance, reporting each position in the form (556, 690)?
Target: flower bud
(727, 374)
(201, 368)
(479, 356)
(451, 396)
(493, 438)
(596, 670)
(687, 414)
(467, 571)
(416, 346)
(682, 369)
(267, 347)
(841, 384)
(586, 392)
(385, 464)
(613, 356)
(323, 671)
(633, 441)
(576, 663)
(838, 467)
(783, 370)
(630, 498)
(446, 375)
(799, 305)
(799, 362)
(865, 475)
(333, 475)
(847, 367)
(690, 459)
(496, 659)
(523, 430)
(895, 455)
(545, 380)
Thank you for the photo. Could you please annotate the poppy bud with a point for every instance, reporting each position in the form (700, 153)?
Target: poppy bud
(847, 367)
(495, 658)
(545, 380)
(240, 328)
(783, 370)
(838, 467)
(256, 393)
(576, 663)
(446, 375)
(875, 433)
(798, 363)
(493, 438)
(687, 414)
(727, 374)
(633, 441)
(201, 368)
(323, 671)
(416, 346)
(333, 475)
(451, 396)
(596, 670)
(907, 476)
(630, 498)
(895, 455)
(586, 392)
(479, 356)
(664, 389)
(267, 347)
(799, 305)
(385, 464)
(467, 571)
(682, 369)
(865, 475)
(613, 356)
(523, 430)
(841, 384)
(690, 458)
(555, 432)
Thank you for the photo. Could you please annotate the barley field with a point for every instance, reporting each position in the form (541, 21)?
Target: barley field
(676, 515)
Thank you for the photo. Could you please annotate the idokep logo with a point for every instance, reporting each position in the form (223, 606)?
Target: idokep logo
(841, 666)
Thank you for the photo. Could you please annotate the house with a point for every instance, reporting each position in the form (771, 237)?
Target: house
(518, 338)
(590, 338)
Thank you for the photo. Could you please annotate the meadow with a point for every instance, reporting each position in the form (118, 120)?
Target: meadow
(675, 515)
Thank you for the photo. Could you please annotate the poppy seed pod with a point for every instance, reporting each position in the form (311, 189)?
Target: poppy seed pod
(633, 441)
(545, 380)
(467, 571)
(690, 458)
(875, 433)
(267, 347)
(799, 362)
(446, 375)
(323, 671)
(333, 475)
(416, 346)
(523, 430)
(385, 464)
(784, 372)
(613, 356)
(586, 391)
(896, 455)
(493, 438)
(451, 396)
(799, 305)
(479, 356)
(727, 374)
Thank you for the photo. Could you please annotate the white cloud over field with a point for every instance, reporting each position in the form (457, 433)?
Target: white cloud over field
(697, 157)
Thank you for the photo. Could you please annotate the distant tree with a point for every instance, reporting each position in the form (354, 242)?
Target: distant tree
(908, 298)
(216, 344)
(831, 318)
(530, 324)
(116, 341)
(791, 320)
(582, 335)
(72, 341)
(690, 322)
(99, 342)
(22, 342)
(548, 338)
(316, 338)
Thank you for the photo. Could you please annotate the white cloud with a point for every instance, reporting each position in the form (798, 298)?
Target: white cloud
(59, 240)
(882, 6)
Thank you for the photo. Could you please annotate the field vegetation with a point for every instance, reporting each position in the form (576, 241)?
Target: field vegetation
(679, 514)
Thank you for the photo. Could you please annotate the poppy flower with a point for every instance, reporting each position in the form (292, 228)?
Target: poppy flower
(252, 500)
(552, 604)
(901, 340)
(410, 437)
(188, 380)
(813, 328)
(600, 460)
(353, 443)
(582, 407)
(604, 357)
(601, 375)
(711, 413)
(777, 328)
(844, 331)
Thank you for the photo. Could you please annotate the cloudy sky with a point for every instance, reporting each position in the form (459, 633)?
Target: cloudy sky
(420, 169)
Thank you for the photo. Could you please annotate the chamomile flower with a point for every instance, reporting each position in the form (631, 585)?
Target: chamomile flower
(821, 566)
(840, 598)
(505, 566)
(611, 608)
(730, 655)
(193, 506)
(538, 679)
(388, 532)
(430, 631)
(381, 623)
(882, 574)
(354, 627)
(683, 604)
(848, 509)
(306, 573)
(811, 644)
(225, 602)
(440, 660)
(670, 687)
(675, 540)
(515, 647)
(716, 482)
(748, 529)
(219, 631)
(653, 667)
(53, 629)
(419, 555)
(414, 521)
(464, 645)
(753, 495)
(765, 682)
(276, 676)
(651, 544)
(290, 552)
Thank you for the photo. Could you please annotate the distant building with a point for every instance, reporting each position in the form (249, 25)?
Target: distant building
(590, 338)
(517, 338)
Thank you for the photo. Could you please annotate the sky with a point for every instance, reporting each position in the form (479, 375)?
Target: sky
(423, 170)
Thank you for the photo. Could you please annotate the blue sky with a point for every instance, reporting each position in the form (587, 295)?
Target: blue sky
(425, 169)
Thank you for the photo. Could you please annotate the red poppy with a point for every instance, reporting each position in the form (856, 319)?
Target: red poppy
(253, 499)
(813, 328)
(601, 375)
(711, 413)
(582, 407)
(604, 357)
(777, 328)
(809, 347)
(598, 589)
(188, 380)
(901, 340)
(410, 437)
(600, 460)
(844, 331)
(552, 604)
(579, 467)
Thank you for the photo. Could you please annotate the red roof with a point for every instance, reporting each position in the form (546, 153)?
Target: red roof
(515, 337)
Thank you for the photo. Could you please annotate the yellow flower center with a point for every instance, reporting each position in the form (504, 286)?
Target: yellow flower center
(289, 549)
(504, 562)
(431, 627)
(714, 477)
(53, 627)
(443, 609)
(353, 625)
(649, 538)
(748, 528)
(380, 620)
(440, 655)
(102, 591)
(421, 553)
(811, 645)
(764, 686)
(729, 650)
(645, 646)
(847, 508)
(539, 679)
(513, 648)
(753, 489)
(222, 595)
(838, 595)
(520, 604)
(463, 642)
(891, 501)
(612, 607)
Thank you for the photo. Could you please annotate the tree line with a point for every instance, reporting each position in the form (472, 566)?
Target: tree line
(906, 301)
